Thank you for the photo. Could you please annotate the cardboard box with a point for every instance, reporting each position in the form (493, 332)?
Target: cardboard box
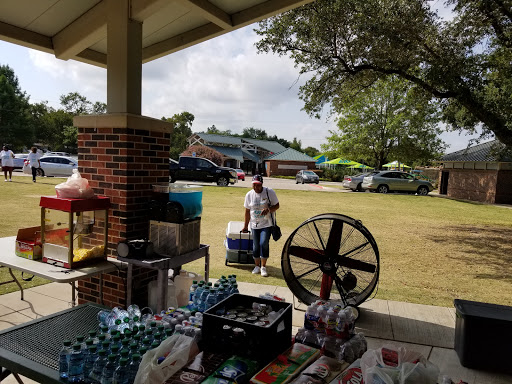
(28, 243)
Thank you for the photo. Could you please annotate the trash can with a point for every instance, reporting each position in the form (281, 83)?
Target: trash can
(483, 335)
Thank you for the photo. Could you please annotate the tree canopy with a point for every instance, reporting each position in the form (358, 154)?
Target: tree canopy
(22, 124)
(387, 121)
(182, 130)
(15, 122)
(348, 45)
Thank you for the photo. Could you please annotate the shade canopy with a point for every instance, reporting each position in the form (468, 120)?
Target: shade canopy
(77, 29)
(361, 166)
(395, 164)
(340, 161)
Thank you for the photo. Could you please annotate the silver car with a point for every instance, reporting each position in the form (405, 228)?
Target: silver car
(54, 166)
(354, 182)
(386, 181)
(19, 160)
(305, 176)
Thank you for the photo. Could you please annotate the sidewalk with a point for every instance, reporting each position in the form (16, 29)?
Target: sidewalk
(423, 328)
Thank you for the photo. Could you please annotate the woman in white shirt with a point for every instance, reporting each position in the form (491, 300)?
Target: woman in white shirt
(7, 163)
(33, 162)
(260, 203)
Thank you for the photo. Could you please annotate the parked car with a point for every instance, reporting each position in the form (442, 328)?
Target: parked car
(54, 166)
(240, 174)
(354, 182)
(305, 176)
(199, 169)
(19, 159)
(386, 181)
(58, 154)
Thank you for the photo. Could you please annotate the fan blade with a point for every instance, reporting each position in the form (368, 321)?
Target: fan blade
(325, 288)
(356, 264)
(334, 241)
(309, 254)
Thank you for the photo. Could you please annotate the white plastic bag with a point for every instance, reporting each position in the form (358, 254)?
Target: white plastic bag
(397, 365)
(75, 187)
(179, 349)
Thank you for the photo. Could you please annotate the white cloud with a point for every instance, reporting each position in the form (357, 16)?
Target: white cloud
(222, 81)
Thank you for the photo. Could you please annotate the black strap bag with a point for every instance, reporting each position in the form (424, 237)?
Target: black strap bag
(276, 231)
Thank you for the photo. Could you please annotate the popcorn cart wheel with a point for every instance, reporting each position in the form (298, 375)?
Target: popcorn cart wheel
(331, 257)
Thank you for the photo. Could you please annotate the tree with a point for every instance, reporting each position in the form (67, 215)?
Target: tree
(296, 144)
(204, 151)
(311, 151)
(254, 133)
(348, 45)
(389, 120)
(76, 104)
(15, 127)
(182, 130)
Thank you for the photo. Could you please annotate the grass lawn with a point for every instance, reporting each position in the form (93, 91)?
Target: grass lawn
(432, 250)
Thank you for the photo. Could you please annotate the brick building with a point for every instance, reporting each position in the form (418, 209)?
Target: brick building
(288, 163)
(480, 173)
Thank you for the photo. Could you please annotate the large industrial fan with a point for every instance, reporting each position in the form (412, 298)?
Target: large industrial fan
(331, 257)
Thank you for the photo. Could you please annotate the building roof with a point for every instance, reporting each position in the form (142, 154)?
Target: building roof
(490, 151)
(234, 153)
(290, 154)
(251, 155)
(270, 146)
(219, 139)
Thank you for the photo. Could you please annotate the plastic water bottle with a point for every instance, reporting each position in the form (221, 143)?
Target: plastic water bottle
(107, 376)
(330, 322)
(193, 289)
(221, 294)
(134, 311)
(310, 317)
(234, 289)
(133, 367)
(102, 316)
(211, 299)
(320, 325)
(202, 299)
(97, 367)
(76, 365)
(64, 354)
(89, 363)
(197, 293)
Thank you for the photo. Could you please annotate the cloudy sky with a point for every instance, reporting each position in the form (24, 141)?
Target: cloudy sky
(222, 82)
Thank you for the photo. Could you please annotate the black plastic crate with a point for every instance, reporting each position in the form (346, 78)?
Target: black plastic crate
(483, 335)
(262, 343)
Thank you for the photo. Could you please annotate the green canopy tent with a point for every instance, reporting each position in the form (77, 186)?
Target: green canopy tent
(340, 161)
(396, 165)
(360, 166)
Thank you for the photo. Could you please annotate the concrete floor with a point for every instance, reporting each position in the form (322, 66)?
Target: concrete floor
(426, 329)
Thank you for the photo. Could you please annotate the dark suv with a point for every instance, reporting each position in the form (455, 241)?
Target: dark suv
(200, 169)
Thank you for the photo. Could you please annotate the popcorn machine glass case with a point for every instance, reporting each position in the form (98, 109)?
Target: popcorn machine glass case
(73, 233)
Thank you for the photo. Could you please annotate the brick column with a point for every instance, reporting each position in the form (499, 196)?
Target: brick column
(122, 156)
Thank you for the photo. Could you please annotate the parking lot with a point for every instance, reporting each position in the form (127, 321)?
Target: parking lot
(277, 183)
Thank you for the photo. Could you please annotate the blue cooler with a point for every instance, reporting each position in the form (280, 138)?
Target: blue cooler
(238, 244)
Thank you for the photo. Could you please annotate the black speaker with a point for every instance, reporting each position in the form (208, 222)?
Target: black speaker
(135, 249)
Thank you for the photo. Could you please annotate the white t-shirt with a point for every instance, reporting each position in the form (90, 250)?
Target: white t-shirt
(257, 202)
(7, 158)
(33, 160)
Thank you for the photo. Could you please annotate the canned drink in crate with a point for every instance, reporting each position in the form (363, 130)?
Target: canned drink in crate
(241, 319)
(231, 317)
(260, 323)
(252, 319)
(242, 314)
(264, 319)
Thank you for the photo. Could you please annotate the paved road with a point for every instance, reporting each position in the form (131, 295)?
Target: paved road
(276, 183)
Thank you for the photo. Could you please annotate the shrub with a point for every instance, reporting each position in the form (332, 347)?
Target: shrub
(204, 151)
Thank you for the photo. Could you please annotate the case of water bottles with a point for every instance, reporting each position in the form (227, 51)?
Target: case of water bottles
(261, 341)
